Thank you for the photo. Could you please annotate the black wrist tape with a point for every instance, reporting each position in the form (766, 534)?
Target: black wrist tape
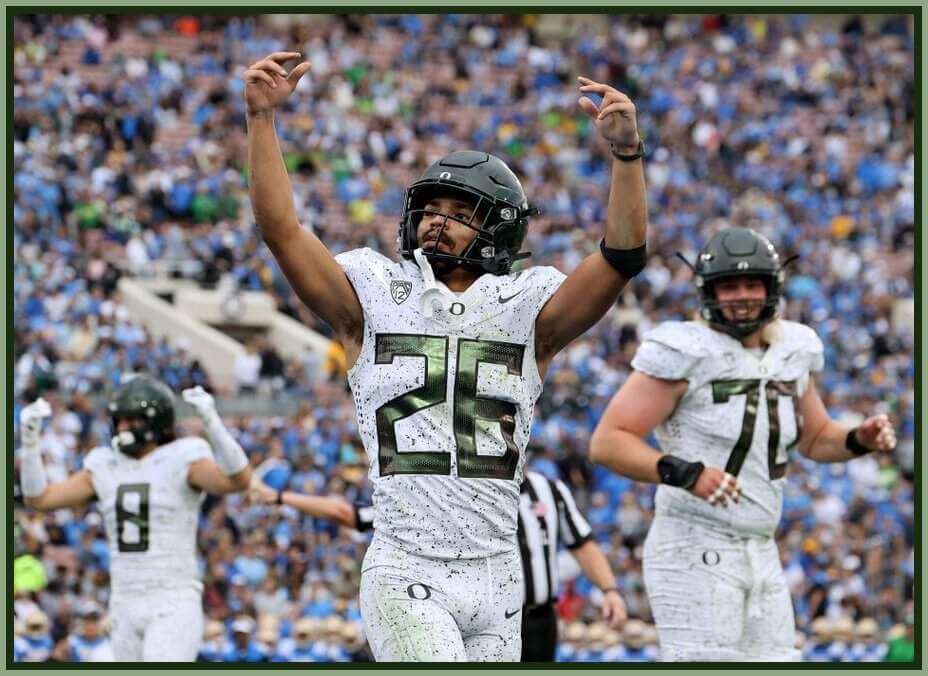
(678, 472)
(853, 445)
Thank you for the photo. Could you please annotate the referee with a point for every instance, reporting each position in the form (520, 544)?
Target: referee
(548, 515)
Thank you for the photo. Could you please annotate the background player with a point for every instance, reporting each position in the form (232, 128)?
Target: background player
(728, 397)
(150, 485)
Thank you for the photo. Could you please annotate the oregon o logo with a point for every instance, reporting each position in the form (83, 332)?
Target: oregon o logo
(457, 308)
(419, 591)
(711, 558)
(444, 175)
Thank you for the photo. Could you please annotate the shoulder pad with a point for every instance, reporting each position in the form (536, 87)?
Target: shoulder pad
(191, 449)
(672, 349)
(802, 339)
(98, 457)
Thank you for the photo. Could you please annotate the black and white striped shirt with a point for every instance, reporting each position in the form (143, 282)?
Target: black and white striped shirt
(547, 514)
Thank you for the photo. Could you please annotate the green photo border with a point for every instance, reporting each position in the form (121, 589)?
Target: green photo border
(512, 6)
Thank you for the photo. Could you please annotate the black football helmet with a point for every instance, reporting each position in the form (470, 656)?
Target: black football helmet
(500, 217)
(149, 401)
(738, 252)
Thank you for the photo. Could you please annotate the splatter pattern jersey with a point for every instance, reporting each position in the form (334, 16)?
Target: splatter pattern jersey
(739, 413)
(150, 513)
(445, 402)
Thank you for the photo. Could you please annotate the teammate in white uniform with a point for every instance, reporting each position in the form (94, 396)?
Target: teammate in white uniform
(727, 398)
(447, 349)
(149, 485)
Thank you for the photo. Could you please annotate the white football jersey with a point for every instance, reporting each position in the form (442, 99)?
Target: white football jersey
(739, 413)
(151, 513)
(445, 403)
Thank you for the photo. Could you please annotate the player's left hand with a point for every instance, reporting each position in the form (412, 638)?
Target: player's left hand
(615, 117)
(201, 401)
(877, 434)
(614, 612)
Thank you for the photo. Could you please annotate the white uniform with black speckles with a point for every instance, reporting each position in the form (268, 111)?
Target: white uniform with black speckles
(150, 512)
(445, 406)
(713, 574)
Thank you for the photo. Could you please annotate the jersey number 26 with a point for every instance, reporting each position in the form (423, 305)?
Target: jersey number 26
(468, 409)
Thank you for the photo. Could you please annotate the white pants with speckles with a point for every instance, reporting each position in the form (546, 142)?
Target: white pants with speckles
(717, 597)
(417, 609)
(163, 625)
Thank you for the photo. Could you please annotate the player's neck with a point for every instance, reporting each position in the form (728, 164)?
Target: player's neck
(458, 278)
(754, 340)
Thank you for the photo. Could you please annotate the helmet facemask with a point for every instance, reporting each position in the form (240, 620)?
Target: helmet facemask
(738, 252)
(712, 309)
(499, 219)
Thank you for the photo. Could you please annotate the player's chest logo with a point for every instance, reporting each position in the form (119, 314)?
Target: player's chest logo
(400, 290)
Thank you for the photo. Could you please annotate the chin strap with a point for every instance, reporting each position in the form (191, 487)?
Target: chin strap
(434, 297)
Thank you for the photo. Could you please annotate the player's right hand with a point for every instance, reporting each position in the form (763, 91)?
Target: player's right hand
(259, 493)
(717, 487)
(267, 83)
(30, 420)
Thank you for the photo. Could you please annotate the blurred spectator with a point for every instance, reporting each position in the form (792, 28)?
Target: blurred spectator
(127, 151)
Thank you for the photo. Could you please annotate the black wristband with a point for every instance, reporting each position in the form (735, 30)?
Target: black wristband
(637, 155)
(610, 589)
(678, 472)
(627, 262)
(854, 445)
(280, 498)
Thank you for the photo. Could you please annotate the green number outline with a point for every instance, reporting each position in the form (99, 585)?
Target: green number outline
(140, 519)
(467, 407)
(723, 390)
(434, 349)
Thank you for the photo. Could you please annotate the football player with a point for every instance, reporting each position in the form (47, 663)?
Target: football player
(447, 349)
(727, 396)
(150, 485)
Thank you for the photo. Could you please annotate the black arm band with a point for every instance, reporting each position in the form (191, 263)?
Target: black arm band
(280, 498)
(678, 472)
(627, 262)
(853, 445)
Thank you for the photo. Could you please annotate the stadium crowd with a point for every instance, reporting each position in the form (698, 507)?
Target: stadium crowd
(128, 153)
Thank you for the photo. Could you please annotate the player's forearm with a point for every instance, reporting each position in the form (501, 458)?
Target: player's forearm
(230, 456)
(595, 565)
(627, 211)
(625, 453)
(328, 508)
(269, 184)
(828, 445)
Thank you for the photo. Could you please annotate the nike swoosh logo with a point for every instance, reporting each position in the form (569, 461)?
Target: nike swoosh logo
(516, 611)
(503, 301)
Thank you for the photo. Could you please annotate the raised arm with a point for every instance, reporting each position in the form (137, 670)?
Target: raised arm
(230, 471)
(309, 266)
(593, 287)
(37, 492)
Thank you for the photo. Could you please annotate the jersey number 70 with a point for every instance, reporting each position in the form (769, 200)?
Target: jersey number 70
(468, 409)
(723, 390)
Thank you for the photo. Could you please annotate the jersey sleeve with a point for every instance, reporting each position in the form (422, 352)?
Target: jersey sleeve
(365, 269)
(193, 449)
(544, 282)
(805, 344)
(97, 459)
(667, 353)
(574, 528)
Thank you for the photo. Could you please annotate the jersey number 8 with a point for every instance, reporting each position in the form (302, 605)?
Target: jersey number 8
(132, 517)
